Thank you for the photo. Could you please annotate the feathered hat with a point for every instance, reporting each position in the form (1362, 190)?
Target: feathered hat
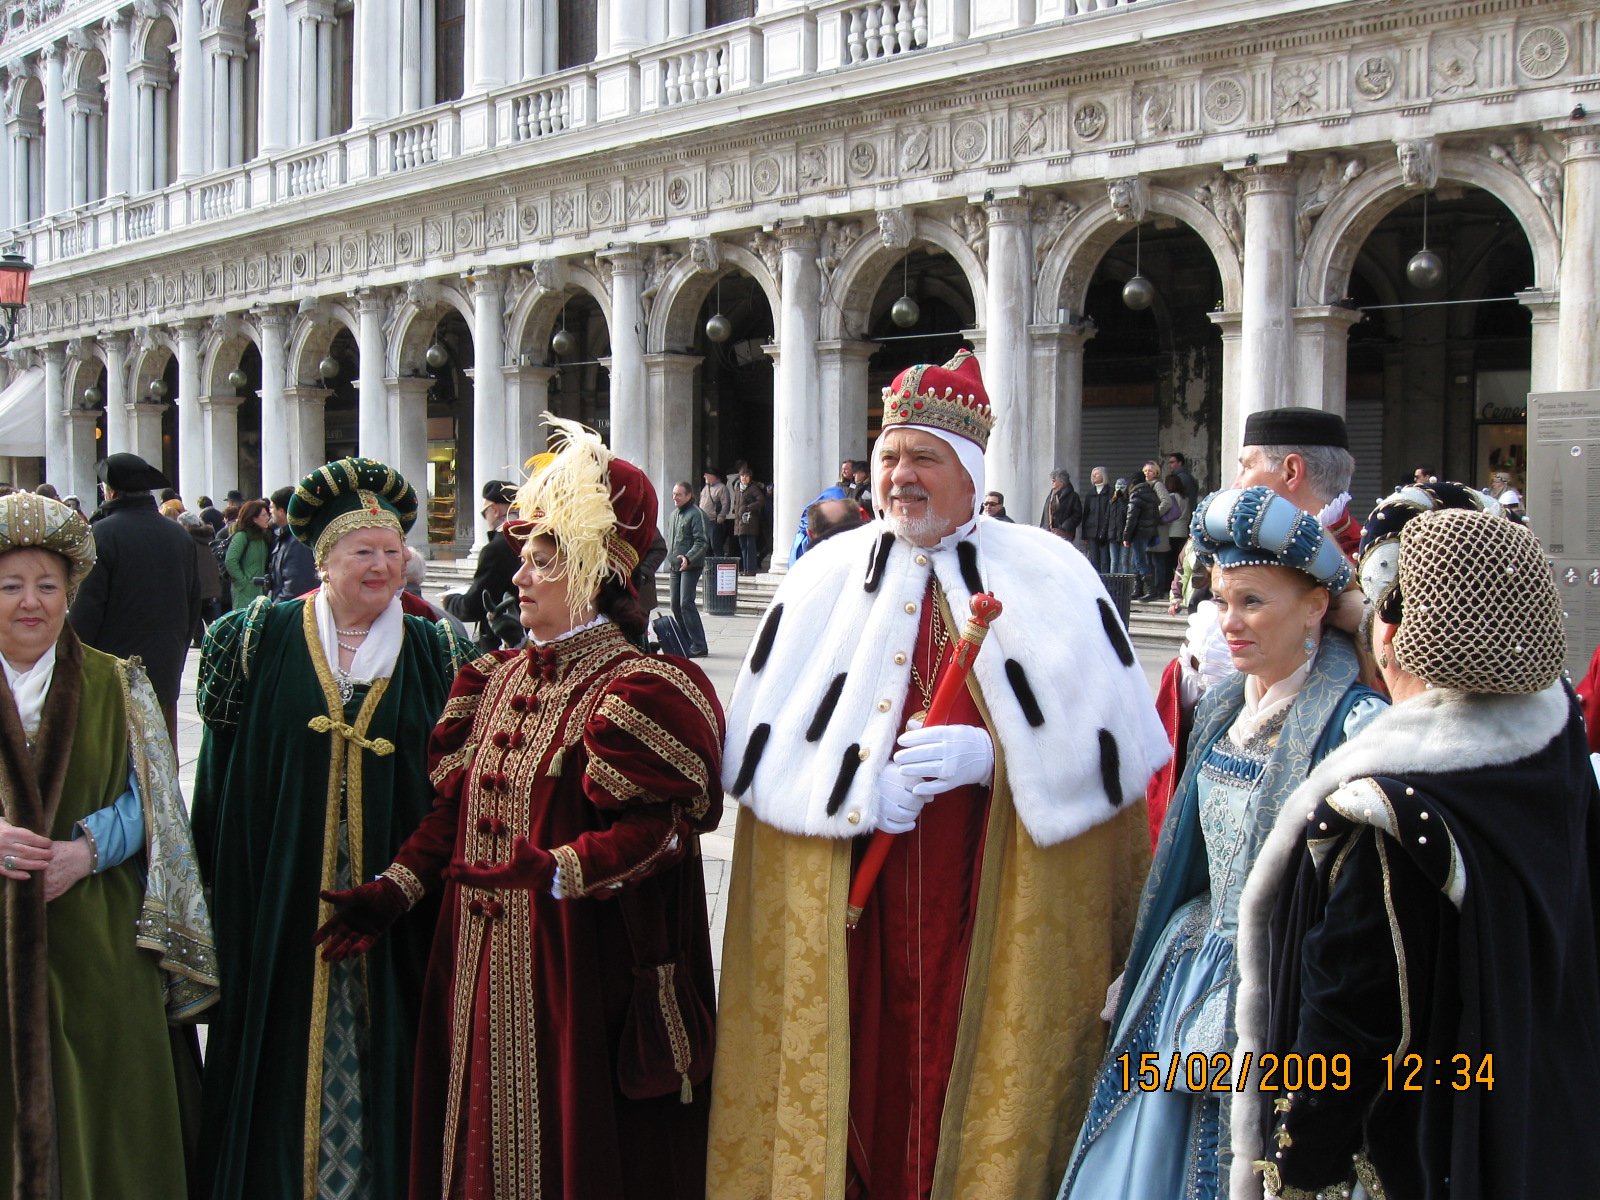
(599, 509)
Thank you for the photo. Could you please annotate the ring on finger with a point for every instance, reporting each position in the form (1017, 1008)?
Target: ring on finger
(10, 862)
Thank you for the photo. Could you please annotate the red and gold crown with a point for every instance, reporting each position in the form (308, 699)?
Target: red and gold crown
(948, 398)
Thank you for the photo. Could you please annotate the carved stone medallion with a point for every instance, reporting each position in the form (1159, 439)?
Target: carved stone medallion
(1224, 101)
(1374, 78)
(1542, 52)
(863, 159)
(765, 176)
(1089, 122)
(970, 141)
(677, 191)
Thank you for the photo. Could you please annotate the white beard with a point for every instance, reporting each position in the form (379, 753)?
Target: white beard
(919, 531)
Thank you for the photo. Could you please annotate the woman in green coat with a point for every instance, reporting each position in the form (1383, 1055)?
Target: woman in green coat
(248, 551)
(313, 771)
(107, 940)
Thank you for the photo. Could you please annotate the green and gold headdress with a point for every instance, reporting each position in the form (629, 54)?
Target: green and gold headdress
(32, 522)
(350, 494)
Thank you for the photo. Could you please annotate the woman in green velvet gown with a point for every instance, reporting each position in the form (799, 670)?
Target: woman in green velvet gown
(107, 943)
(312, 772)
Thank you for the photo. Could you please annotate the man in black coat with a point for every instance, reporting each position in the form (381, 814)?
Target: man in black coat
(143, 596)
(1063, 507)
(292, 567)
(497, 563)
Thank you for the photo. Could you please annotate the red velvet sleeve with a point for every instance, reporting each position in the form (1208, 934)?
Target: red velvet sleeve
(654, 765)
(1589, 697)
(424, 855)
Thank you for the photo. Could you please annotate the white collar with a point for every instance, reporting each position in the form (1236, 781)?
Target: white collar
(377, 656)
(1260, 707)
(29, 688)
(601, 619)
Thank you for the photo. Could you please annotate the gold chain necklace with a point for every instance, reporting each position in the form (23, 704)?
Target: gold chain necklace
(936, 655)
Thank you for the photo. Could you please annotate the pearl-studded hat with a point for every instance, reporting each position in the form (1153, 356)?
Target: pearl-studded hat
(29, 521)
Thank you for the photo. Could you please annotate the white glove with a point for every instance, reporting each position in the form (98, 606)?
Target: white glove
(898, 807)
(945, 757)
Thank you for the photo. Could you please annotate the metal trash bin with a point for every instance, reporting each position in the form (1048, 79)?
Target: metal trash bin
(721, 586)
(1121, 588)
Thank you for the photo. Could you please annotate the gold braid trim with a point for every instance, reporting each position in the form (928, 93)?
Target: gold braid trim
(406, 880)
(455, 760)
(366, 517)
(569, 869)
(677, 1034)
(622, 788)
(344, 781)
(460, 706)
(656, 739)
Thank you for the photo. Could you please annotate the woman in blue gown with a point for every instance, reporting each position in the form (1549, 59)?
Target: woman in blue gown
(1295, 697)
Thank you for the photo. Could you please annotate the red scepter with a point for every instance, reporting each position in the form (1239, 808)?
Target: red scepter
(985, 608)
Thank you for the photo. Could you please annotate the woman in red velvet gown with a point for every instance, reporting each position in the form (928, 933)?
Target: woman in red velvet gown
(566, 1028)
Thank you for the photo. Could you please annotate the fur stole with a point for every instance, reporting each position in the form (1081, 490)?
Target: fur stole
(817, 706)
(1438, 731)
(30, 790)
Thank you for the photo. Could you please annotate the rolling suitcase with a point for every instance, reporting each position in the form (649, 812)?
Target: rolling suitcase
(670, 634)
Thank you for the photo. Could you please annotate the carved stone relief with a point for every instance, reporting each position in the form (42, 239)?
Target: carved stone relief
(705, 254)
(1374, 77)
(1051, 216)
(971, 139)
(971, 224)
(916, 150)
(1224, 101)
(1223, 196)
(1295, 90)
(1089, 122)
(1455, 64)
(834, 240)
(1318, 187)
(1155, 104)
(1029, 132)
(1130, 198)
(770, 251)
(1542, 52)
(895, 227)
(1533, 162)
(1419, 163)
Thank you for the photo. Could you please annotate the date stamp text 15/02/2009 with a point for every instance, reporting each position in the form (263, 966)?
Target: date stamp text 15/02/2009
(1295, 1072)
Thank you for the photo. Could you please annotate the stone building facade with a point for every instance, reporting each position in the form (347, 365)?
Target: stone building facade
(266, 235)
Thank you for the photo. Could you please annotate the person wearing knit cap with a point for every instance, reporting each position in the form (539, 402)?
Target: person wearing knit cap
(567, 1020)
(1001, 906)
(1425, 905)
(1295, 695)
(313, 770)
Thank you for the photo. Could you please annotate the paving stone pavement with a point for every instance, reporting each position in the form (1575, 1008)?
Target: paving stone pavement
(726, 637)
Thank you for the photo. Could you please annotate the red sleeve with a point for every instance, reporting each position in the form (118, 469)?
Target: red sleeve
(654, 763)
(450, 750)
(1589, 696)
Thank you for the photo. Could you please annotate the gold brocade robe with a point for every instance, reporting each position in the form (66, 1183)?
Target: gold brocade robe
(1051, 931)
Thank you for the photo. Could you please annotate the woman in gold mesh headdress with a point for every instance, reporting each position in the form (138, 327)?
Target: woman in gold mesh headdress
(1423, 917)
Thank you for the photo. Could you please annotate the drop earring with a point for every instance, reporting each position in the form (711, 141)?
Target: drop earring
(1310, 645)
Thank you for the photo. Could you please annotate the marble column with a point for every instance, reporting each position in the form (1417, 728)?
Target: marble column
(408, 442)
(372, 414)
(490, 449)
(20, 133)
(308, 430)
(799, 469)
(277, 452)
(119, 108)
(1321, 355)
(1058, 384)
(217, 65)
(490, 28)
(1546, 351)
(191, 94)
(222, 444)
(56, 138)
(306, 74)
(630, 415)
(672, 408)
(1578, 364)
(842, 376)
(57, 453)
(78, 156)
(236, 107)
(191, 417)
(1024, 430)
(119, 431)
(629, 27)
(372, 64)
(324, 74)
(277, 62)
(1231, 324)
(1268, 326)
(144, 423)
(82, 453)
(532, 389)
(407, 51)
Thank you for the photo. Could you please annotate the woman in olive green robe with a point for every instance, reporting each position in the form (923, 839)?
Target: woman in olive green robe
(312, 772)
(106, 937)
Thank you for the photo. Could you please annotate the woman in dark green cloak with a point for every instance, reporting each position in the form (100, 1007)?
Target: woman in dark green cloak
(312, 772)
(107, 942)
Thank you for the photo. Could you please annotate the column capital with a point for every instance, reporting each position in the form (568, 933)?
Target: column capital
(221, 401)
(1327, 316)
(190, 329)
(667, 362)
(482, 280)
(1582, 139)
(1065, 336)
(847, 349)
(51, 52)
(307, 394)
(274, 315)
(624, 258)
(1231, 323)
(1545, 306)
(796, 233)
(533, 374)
(114, 340)
(371, 299)
(55, 353)
(1006, 206)
(1259, 178)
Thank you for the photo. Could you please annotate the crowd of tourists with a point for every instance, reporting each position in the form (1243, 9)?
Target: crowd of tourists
(1316, 918)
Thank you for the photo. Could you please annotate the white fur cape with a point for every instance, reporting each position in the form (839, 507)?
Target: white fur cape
(816, 710)
(1438, 731)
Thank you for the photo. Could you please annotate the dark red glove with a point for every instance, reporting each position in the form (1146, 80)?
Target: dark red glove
(530, 867)
(361, 916)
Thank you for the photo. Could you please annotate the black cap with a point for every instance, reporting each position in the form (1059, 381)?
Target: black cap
(499, 491)
(1295, 427)
(126, 472)
(234, 497)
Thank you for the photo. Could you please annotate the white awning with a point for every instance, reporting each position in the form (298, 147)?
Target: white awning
(22, 415)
